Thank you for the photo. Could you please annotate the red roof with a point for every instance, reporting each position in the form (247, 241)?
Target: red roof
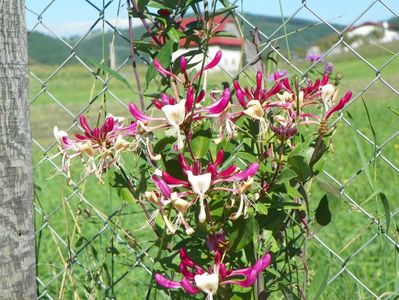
(375, 24)
(220, 25)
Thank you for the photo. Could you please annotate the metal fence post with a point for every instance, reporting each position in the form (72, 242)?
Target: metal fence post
(17, 248)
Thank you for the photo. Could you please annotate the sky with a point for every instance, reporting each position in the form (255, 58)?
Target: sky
(74, 17)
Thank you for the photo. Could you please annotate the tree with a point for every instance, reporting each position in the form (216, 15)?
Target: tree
(17, 248)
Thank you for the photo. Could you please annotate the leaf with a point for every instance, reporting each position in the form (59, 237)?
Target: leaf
(270, 241)
(164, 56)
(172, 166)
(360, 151)
(113, 73)
(174, 34)
(396, 112)
(94, 252)
(224, 10)
(328, 187)
(386, 209)
(300, 166)
(261, 208)
(323, 214)
(79, 242)
(201, 142)
(319, 282)
(223, 33)
(164, 144)
(242, 232)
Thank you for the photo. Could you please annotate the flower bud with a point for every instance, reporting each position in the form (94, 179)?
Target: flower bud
(183, 64)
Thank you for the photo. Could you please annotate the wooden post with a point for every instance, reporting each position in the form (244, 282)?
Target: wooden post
(17, 243)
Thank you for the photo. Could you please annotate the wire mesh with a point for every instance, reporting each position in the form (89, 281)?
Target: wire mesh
(96, 236)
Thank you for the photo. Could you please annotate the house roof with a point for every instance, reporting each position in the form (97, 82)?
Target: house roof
(375, 24)
(222, 22)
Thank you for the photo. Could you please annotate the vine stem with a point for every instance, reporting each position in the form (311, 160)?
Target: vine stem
(145, 24)
(133, 60)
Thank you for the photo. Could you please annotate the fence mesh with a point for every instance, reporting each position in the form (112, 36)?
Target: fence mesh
(90, 233)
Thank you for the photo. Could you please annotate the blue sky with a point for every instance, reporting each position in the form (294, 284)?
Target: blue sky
(70, 17)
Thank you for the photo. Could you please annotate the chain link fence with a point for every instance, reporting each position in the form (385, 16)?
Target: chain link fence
(86, 233)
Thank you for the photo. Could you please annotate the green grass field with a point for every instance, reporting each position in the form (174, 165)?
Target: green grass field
(76, 216)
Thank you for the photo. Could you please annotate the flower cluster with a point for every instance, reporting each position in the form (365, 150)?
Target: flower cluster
(233, 169)
(196, 279)
(105, 143)
(197, 184)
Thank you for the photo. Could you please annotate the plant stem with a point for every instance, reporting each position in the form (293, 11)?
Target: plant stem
(133, 59)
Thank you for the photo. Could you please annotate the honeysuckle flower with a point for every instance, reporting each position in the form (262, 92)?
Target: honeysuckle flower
(339, 106)
(199, 181)
(249, 96)
(307, 95)
(308, 118)
(196, 279)
(176, 114)
(183, 66)
(105, 142)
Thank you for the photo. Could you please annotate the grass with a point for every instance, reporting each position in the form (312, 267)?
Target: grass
(68, 220)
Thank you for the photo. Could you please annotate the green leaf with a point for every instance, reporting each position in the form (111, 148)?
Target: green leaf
(300, 166)
(164, 56)
(270, 241)
(113, 73)
(79, 242)
(261, 208)
(224, 10)
(172, 166)
(286, 175)
(323, 214)
(242, 232)
(360, 151)
(386, 209)
(201, 142)
(174, 34)
(247, 157)
(319, 282)
(293, 192)
(223, 33)
(164, 144)
(328, 187)
(396, 112)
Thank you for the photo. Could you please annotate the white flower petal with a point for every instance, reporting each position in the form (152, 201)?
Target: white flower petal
(200, 183)
(207, 283)
(176, 113)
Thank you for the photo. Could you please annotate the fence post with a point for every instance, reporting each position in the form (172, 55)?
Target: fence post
(17, 244)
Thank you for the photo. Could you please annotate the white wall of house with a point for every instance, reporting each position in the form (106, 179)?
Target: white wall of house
(362, 31)
(230, 62)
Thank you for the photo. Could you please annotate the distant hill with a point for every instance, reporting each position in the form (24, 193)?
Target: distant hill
(302, 34)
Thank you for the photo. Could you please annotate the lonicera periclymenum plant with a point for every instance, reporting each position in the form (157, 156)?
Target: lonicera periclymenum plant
(229, 173)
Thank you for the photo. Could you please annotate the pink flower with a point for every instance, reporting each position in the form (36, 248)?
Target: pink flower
(344, 100)
(175, 113)
(183, 66)
(198, 182)
(107, 141)
(258, 93)
(196, 279)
